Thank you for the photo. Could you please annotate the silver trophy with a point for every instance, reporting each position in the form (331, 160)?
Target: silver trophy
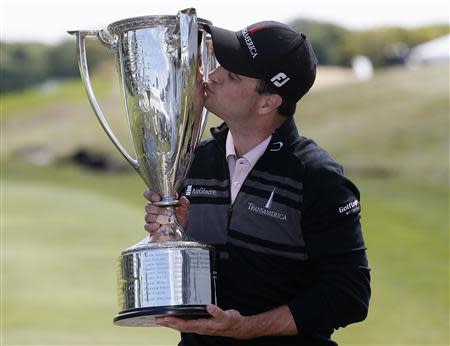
(162, 62)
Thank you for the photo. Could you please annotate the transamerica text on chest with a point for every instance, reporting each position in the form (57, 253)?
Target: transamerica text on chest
(266, 211)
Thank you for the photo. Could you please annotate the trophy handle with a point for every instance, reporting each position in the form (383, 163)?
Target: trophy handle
(108, 42)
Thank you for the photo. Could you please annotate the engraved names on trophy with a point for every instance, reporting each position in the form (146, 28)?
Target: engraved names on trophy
(164, 274)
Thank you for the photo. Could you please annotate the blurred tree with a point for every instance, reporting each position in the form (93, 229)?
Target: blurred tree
(326, 38)
(335, 45)
(97, 53)
(26, 64)
(63, 59)
(387, 45)
(22, 64)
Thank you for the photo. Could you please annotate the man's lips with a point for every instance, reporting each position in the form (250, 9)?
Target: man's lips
(207, 88)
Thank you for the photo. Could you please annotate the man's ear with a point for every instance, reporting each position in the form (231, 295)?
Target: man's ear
(270, 102)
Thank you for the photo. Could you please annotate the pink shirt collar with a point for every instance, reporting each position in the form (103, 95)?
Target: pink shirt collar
(253, 155)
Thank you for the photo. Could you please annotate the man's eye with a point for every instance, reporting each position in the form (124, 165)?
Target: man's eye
(232, 76)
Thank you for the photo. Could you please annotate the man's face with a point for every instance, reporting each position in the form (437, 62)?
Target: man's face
(230, 96)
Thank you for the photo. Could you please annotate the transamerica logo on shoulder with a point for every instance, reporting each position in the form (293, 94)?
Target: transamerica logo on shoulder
(201, 191)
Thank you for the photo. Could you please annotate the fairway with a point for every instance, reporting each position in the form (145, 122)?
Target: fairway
(61, 244)
(59, 258)
(408, 255)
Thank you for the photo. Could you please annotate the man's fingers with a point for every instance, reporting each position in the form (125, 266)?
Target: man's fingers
(149, 218)
(184, 202)
(151, 227)
(215, 311)
(157, 216)
(201, 326)
(174, 323)
(163, 219)
(153, 209)
(152, 196)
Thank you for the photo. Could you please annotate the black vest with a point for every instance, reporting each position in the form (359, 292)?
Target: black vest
(263, 247)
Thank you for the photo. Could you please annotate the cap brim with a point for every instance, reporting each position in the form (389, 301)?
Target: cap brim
(229, 52)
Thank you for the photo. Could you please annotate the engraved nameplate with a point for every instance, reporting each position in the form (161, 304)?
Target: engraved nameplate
(174, 276)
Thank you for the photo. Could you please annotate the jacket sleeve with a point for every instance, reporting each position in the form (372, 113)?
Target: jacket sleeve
(332, 231)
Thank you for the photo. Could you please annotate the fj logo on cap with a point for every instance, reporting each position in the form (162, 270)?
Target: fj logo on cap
(280, 79)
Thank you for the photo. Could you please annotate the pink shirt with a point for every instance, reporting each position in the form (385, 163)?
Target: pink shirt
(240, 167)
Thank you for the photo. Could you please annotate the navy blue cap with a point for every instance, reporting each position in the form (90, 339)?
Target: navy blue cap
(270, 51)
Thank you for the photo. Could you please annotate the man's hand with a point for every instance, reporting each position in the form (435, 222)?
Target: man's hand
(155, 216)
(231, 323)
(228, 323)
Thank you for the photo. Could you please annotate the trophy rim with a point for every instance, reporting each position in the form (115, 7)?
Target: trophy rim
(141, 22)
(173, 245)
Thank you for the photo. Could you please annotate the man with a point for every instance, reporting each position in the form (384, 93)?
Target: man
(283, 218)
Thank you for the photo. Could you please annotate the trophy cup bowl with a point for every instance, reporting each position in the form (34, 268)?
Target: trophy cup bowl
(162, 62)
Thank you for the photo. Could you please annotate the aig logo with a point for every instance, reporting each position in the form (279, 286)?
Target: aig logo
(280, 79)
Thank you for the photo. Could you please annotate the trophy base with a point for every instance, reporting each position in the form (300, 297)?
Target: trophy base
(145, 317)
(165, 278)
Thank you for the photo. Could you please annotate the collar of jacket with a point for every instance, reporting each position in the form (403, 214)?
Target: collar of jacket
(286, 134)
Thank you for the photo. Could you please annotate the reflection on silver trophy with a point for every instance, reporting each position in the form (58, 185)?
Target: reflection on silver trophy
(161, 61)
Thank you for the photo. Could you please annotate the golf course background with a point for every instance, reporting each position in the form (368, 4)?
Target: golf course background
(63, 226)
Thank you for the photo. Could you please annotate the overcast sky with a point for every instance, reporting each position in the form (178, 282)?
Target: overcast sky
(48, 20)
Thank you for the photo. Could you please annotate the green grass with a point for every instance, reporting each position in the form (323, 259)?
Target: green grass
(406, 230)
(27, 101)
(61, 123)
(396, 123)
(63, 227)
(60, 245)
(64, 230)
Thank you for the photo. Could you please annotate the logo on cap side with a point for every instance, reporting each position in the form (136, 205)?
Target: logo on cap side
(249, 42)
(280, 79)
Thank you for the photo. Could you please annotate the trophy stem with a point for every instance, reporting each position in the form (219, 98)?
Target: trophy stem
(170, 229)
(167, 202)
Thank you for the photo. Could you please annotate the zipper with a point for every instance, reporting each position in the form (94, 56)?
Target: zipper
(230, 213)
(230, 207)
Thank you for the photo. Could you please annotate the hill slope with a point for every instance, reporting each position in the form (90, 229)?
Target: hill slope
(395, 124)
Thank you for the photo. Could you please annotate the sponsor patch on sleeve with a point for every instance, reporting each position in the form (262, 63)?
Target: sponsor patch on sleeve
(350, 208)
